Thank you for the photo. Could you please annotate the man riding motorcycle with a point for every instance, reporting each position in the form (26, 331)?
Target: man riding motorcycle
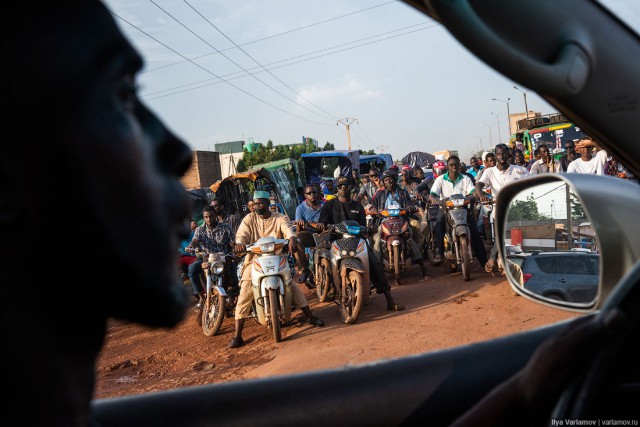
(261, 223)
(307, 212)
(393, 194)
(342, 208)
(453, 182)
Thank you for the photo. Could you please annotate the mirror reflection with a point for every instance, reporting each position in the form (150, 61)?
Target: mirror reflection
(551, 248)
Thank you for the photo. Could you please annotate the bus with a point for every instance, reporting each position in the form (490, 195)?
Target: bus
(550, 129)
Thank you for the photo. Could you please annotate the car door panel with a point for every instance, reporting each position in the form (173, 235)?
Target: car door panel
(432, 388)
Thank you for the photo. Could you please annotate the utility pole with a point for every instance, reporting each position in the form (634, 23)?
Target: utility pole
(498, 119)
(346, 122)
(508, 112)
(569, 219)
(524, 94)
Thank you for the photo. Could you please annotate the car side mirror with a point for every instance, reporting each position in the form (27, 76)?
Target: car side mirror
(566, 240)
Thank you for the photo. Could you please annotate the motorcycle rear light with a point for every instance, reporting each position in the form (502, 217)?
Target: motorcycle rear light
(525, 277)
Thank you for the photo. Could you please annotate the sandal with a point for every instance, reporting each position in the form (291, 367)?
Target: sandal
(395, 307)
(488, 267)
(236, 342)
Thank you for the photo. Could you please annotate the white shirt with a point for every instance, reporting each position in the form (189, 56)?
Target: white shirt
(443, 186)
(591, 167)
(496, 179)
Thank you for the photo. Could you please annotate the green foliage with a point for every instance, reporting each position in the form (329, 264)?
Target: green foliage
(270, 152)
(522, 210)
(576, 207)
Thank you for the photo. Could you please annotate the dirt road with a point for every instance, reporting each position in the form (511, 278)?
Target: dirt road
(442, 312)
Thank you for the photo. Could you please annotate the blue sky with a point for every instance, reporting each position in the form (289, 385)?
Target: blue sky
(303, 65)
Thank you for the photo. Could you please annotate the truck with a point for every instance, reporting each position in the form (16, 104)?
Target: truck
(550, 129)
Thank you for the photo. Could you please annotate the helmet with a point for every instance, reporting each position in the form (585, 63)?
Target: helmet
(438, 168)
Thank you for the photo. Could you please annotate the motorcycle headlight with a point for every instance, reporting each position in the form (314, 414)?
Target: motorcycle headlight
(217, 268)
(354, 230)
(458, 202)
(394, 212)
(267, 247)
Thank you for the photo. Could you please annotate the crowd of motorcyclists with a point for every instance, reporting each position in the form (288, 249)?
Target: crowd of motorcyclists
(367, 200)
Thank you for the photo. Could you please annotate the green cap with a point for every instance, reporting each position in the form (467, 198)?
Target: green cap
(261, 195)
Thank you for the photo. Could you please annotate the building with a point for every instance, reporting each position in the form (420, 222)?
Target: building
(204, 170)
(230, 154)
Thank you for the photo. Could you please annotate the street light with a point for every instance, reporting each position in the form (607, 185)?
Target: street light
(524, 93)
(480, 141)
(498, 119)
(508, 113)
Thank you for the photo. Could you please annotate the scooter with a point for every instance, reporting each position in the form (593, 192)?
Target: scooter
(271, 283)
(395, 233)
(350, 268)
(457, 246)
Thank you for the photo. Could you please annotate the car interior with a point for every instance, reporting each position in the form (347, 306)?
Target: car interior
(585, 61)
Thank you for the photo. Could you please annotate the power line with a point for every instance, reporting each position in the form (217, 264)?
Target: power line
(367, 141)
(328, 115)
(278, 35)
(226, 81)
(550, 191)
(226, 57)
(292, 63)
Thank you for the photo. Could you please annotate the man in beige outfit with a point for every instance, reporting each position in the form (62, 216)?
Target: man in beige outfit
(262, 223)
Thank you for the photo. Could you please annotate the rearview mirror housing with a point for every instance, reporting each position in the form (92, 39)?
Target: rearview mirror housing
(610, 204)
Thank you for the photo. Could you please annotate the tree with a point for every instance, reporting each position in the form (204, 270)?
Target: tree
(526, 210)
(328, 147)
(576, 207)
(270, 152)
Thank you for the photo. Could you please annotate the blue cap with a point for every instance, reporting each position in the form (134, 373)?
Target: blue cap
(261, 195)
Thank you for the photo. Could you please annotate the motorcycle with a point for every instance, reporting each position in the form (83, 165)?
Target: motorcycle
(221, 292)
(487, 221)
(320, 264)
(271, 284)
(184, 260)
(395, 232)
(349, 268)
(429, 227)
(497, 269)
(457, 246)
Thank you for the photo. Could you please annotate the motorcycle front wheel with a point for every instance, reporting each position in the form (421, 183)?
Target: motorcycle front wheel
(274, 314)
(466, 258)
(396, 264)
(351, 300)
(323, 280)
(213, 312)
